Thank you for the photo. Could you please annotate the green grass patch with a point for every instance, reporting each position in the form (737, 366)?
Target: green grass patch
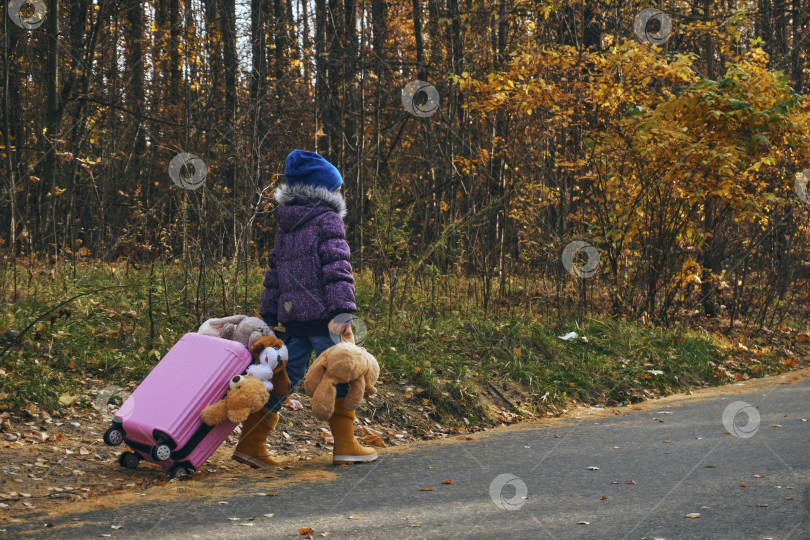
(449, 351)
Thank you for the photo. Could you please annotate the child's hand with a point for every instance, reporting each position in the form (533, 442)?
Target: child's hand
(340, 328)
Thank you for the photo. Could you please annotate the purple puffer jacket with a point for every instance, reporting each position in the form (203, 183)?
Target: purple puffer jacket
(310, 279)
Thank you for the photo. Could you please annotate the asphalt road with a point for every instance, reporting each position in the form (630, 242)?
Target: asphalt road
(588, 477)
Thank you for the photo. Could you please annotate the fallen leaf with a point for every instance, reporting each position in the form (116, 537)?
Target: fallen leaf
(603, 498)
(115, 527)
(233, 518)
(83, 451)
(425, 489)
(271, 493)
(37, 436)
(268, 515)
(305, 530)
(67, 399)
(593, 468)
(584, 523)
(447, 481)
(327, 437)
(759, 476)
(354, 516)
(293, 404)
(762, 505)
(668, 440)
(409, 392)
(743, 485)
(693, 515)
(372, 437)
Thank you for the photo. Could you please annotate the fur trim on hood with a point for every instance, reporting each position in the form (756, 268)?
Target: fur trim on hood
(287, 195)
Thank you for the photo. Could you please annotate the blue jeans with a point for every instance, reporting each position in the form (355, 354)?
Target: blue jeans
(300, 350)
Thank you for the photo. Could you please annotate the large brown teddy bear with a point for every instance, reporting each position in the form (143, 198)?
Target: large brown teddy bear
(247, 395)
(341, 363)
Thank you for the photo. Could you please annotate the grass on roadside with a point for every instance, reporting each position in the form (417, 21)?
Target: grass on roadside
(448, 351)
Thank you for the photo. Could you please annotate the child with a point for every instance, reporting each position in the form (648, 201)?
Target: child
(309, 282)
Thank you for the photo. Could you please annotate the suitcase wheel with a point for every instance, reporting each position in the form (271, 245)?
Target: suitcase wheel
(129, 460)
(180, 472)
(161, 451)
(113, 436)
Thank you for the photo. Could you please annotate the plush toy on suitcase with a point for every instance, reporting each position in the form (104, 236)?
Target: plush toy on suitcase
(161, 419)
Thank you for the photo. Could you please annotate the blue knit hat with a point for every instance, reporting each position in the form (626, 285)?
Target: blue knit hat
(309, 168)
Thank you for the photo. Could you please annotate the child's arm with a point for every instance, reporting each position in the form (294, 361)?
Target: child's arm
(268, 309)
(338, 281)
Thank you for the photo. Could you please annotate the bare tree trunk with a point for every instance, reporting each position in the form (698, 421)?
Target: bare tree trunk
(52, 115)
(307, 41)
(498, 179)
(417, 36)
(12, 233)
(228, 18)
(328, 52)
(280, 29)
(137, 97)
(258, 18)
(799, 16)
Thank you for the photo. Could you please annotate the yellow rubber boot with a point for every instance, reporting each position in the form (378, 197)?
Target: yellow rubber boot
(347, 448)
(251, 450)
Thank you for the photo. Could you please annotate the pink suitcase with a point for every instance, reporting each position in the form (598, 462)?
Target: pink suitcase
(161, 422)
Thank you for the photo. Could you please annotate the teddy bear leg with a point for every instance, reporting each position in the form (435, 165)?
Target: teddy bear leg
(251, 449)
(347, 448)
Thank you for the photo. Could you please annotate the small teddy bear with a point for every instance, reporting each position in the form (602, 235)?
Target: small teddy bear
(246, 396)
(270, 355)
(341, 363)
(246, 330)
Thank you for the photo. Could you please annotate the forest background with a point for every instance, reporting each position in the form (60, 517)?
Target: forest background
(670, 156)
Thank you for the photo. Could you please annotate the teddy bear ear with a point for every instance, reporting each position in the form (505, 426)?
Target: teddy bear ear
(258, 346)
